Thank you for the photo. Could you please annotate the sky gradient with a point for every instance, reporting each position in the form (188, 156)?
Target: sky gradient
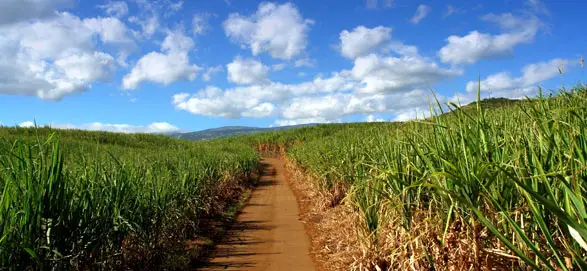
(170, 65)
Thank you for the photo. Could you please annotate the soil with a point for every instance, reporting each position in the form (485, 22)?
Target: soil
(268, 233)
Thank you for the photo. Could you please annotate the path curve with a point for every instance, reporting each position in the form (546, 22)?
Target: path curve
(268, 234)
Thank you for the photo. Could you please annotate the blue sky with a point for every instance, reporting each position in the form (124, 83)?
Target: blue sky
(170, 65)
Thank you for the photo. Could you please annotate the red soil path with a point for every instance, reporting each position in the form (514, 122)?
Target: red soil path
(268, 234)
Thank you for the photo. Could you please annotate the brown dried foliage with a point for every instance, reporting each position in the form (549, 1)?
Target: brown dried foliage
(340, 241)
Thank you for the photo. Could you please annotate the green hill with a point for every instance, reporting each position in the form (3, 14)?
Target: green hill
(229, 131)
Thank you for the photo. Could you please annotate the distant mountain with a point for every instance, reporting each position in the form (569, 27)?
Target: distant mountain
(228, 131)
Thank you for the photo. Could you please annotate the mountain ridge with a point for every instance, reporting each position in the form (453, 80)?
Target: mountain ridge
(228, 131)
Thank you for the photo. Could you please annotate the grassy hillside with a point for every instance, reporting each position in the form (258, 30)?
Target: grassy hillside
(477, 189)
(79, 199)
(300, 135)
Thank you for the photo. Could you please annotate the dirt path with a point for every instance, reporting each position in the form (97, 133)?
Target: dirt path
(268, 234)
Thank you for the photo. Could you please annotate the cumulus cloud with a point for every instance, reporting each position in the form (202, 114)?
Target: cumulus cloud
(153, 128)
(115, 8)
(247, 71)
(40, 57)
(387, 74)
(148, 23)
(374, 118)
(284, 122)
(338, 105)
(111, 30)
(305, 62)
(26, 124)
(256, 100)
(450, 10)
(212, 101)
(200, 23)
(165, 67)
(538, 7)
(421, 13)
(207, 75)
(504, 85)
(373, 4)
(418, 113)
(279, 30)
(12, 11)
(148, 16)
(278, 67)
(376, 83)
(476, 46)
(363, 40)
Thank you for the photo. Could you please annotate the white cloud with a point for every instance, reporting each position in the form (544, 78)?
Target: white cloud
(12, 11)
(374, 118)
(153, 128)
(207, 75)
(282, 122)
(413, 114)
(476, 46)
(375, 84)
(149, 16)
(116, 8)
(212, 101)
(177, 41)
(174, 7)
(75, 73)
(324, 99)
(420, 14)
(305, 62)
(110, 29)
(373, 4)
(338, 105)
(278, 67)
(504, 85)
(148, 23)
(26, 124)
(200, 23)
(378, 82)
(247, 71)
(160, 68)
(386, 74)
(279, 30)
(362, 40)
(167, 67)
(450, 10)
(257, 100)
(54, 57)
(538, 7)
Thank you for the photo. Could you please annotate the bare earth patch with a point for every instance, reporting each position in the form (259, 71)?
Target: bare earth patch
(268, 233)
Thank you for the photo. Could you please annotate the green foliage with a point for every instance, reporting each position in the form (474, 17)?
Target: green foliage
(518, 169)
(78, 198)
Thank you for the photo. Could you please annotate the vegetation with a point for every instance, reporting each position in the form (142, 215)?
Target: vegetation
(87, 200)
(475, 189)
(489, 186)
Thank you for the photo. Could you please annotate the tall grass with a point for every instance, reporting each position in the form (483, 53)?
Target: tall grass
(75, 199)
(508, 182)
